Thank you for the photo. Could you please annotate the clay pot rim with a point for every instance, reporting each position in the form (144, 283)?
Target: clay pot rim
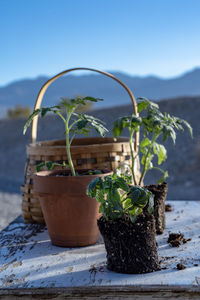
(57, 172)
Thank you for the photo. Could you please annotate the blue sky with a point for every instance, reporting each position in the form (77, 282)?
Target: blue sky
(140, 37)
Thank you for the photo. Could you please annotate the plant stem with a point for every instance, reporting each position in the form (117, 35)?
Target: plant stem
(144, 168)
(132, 156)
(159, 169)
(71, 139)
(61, 116)
(70, 162)
(68, 142)
(70, 127)
(145, 161)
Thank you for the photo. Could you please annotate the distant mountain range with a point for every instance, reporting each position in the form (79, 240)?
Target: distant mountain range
(24, 92)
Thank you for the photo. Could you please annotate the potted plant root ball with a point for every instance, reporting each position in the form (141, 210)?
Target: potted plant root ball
(160, 193)
(154, 125)
(127, 224)
(70, 215)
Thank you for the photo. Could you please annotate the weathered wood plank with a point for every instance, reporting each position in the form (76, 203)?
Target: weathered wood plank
(117, 292)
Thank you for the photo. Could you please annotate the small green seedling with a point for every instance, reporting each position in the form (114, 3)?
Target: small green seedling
(118, 199)
(75, 123)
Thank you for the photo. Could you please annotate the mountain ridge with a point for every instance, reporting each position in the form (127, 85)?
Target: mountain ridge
(25, 91)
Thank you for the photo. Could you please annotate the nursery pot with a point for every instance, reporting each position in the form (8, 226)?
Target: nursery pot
(131, 247)
(70, 215)
(160, 193)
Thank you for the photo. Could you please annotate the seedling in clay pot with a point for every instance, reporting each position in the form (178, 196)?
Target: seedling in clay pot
(155, 125)
(127, 224)
(69, 213)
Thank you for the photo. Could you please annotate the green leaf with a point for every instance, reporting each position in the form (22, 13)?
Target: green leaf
(64, 164)
(127, 203)
(121, 183)
(161, 152)
(188, 126)
(145, 103)
(88, 98)
(135, 195)
(39, 167)
(149, 164)
(163, 178)
(119, 125)
(135, 122)
(100, 196)
(173, 135)
(94, 185)
(68, 104)
(96, 123)
(50, 165)
(143, 159)
(141, 106)
(30, 119)
(162, 155)
(116, 199)
(116, 131)
(134, 213)
(145, 142)
(132, 123)
(139, 196)
(44, 111)
(81, 124)
(168, 131)
(146, 160)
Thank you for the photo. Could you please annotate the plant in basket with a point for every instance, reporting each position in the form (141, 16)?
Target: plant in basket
(127, 224)
(69, 213)
(155, 125)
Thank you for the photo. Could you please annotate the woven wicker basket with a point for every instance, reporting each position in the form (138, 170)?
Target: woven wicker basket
(87, 153)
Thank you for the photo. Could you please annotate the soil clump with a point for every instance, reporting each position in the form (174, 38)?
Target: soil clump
(176, 239)
(168, 208)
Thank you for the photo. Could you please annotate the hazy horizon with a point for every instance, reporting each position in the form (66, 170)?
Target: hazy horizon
(80, 73)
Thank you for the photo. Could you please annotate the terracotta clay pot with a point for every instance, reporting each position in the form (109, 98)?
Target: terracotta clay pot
(70, 215)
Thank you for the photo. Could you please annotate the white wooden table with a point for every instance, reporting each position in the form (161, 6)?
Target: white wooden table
(30, 264)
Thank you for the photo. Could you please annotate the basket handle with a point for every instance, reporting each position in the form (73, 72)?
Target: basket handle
(51, 80)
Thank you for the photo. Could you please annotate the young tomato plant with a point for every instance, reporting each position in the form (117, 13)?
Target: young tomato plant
(155, 125)
(75, 123)
(118, 199)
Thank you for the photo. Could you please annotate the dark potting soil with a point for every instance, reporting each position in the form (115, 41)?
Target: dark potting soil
(63, 173)
(160, 193)
(131, 247)
(180, 266)
(168, 208)
(175, 239)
